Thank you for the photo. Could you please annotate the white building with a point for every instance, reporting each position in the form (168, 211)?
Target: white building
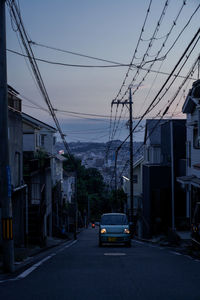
(191, 182)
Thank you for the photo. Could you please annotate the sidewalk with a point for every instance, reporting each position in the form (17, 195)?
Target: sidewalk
(27, 256)
(173, 239)
(180, 241)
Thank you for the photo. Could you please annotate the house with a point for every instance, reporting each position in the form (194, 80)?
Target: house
(58, 200)
(38, 147)
(69, 194)
(19, 189)
(137, 192)
(164, 154)
(137, 186)
(191, 182)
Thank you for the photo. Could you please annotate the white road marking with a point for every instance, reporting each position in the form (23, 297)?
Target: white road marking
(27, 272)
(114, 254)
(189, 257)
(36, 265)
(176, 253)
(138, 242)
(69, 245)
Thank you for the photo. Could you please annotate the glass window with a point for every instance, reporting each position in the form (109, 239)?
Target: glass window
(135, 179)
(114, 220)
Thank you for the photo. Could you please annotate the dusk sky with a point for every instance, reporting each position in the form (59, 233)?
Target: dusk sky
(106, 29)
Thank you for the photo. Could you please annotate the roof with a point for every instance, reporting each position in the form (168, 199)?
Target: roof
(192, 179)
(60, 157)
(192, 98)
(138, 162)
(38, 123)
(12, 90)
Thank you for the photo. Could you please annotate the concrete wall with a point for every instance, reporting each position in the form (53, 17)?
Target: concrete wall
(156, 197)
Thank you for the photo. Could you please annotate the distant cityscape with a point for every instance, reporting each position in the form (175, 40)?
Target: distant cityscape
(102, 156)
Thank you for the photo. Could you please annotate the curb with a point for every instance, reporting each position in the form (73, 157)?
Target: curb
(31, 260)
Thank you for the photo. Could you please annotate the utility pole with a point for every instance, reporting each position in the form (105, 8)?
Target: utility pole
(75, 208)
(116, 153)
(131, 160)
(5, 180)
(172, 171)
(126, 102)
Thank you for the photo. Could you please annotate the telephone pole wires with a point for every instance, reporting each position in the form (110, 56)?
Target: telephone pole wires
(5, 179)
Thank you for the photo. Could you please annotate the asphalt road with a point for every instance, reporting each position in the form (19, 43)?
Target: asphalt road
(84, 271)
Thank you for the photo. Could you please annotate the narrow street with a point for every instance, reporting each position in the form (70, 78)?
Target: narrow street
(85, 271)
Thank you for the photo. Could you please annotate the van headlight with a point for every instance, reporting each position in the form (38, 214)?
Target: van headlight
(126, 230)
(103, 230)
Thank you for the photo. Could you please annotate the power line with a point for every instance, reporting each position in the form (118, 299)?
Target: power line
(149, 46)
(136, 49)
(146, 53)
(75, 53)
(195, 11)
(116, 65)
(161, 89)
(93, 66)
(126, 75)
(161, 48)
(15, 14)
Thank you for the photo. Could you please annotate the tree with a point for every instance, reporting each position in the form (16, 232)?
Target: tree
(92, 191)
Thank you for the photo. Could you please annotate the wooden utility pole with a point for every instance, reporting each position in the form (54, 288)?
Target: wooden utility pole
(5, 179)
(131, 160)
(128, 102)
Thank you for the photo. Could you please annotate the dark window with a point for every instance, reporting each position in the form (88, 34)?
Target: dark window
(42, 139)
(196, 140)
(114, 220)
(189, 154)
(135, 179)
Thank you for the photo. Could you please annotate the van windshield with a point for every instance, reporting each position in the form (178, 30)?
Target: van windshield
(114, 220)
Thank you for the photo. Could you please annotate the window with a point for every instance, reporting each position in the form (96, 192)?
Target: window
(114, 219)
(36, 140)
(147, 154)
(189, 154)
(43, 139)
(196, 140)
(135, 179)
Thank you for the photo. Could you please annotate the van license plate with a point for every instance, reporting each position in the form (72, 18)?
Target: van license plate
(112, 239)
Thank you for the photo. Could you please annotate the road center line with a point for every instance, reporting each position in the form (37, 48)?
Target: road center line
(114, 254)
